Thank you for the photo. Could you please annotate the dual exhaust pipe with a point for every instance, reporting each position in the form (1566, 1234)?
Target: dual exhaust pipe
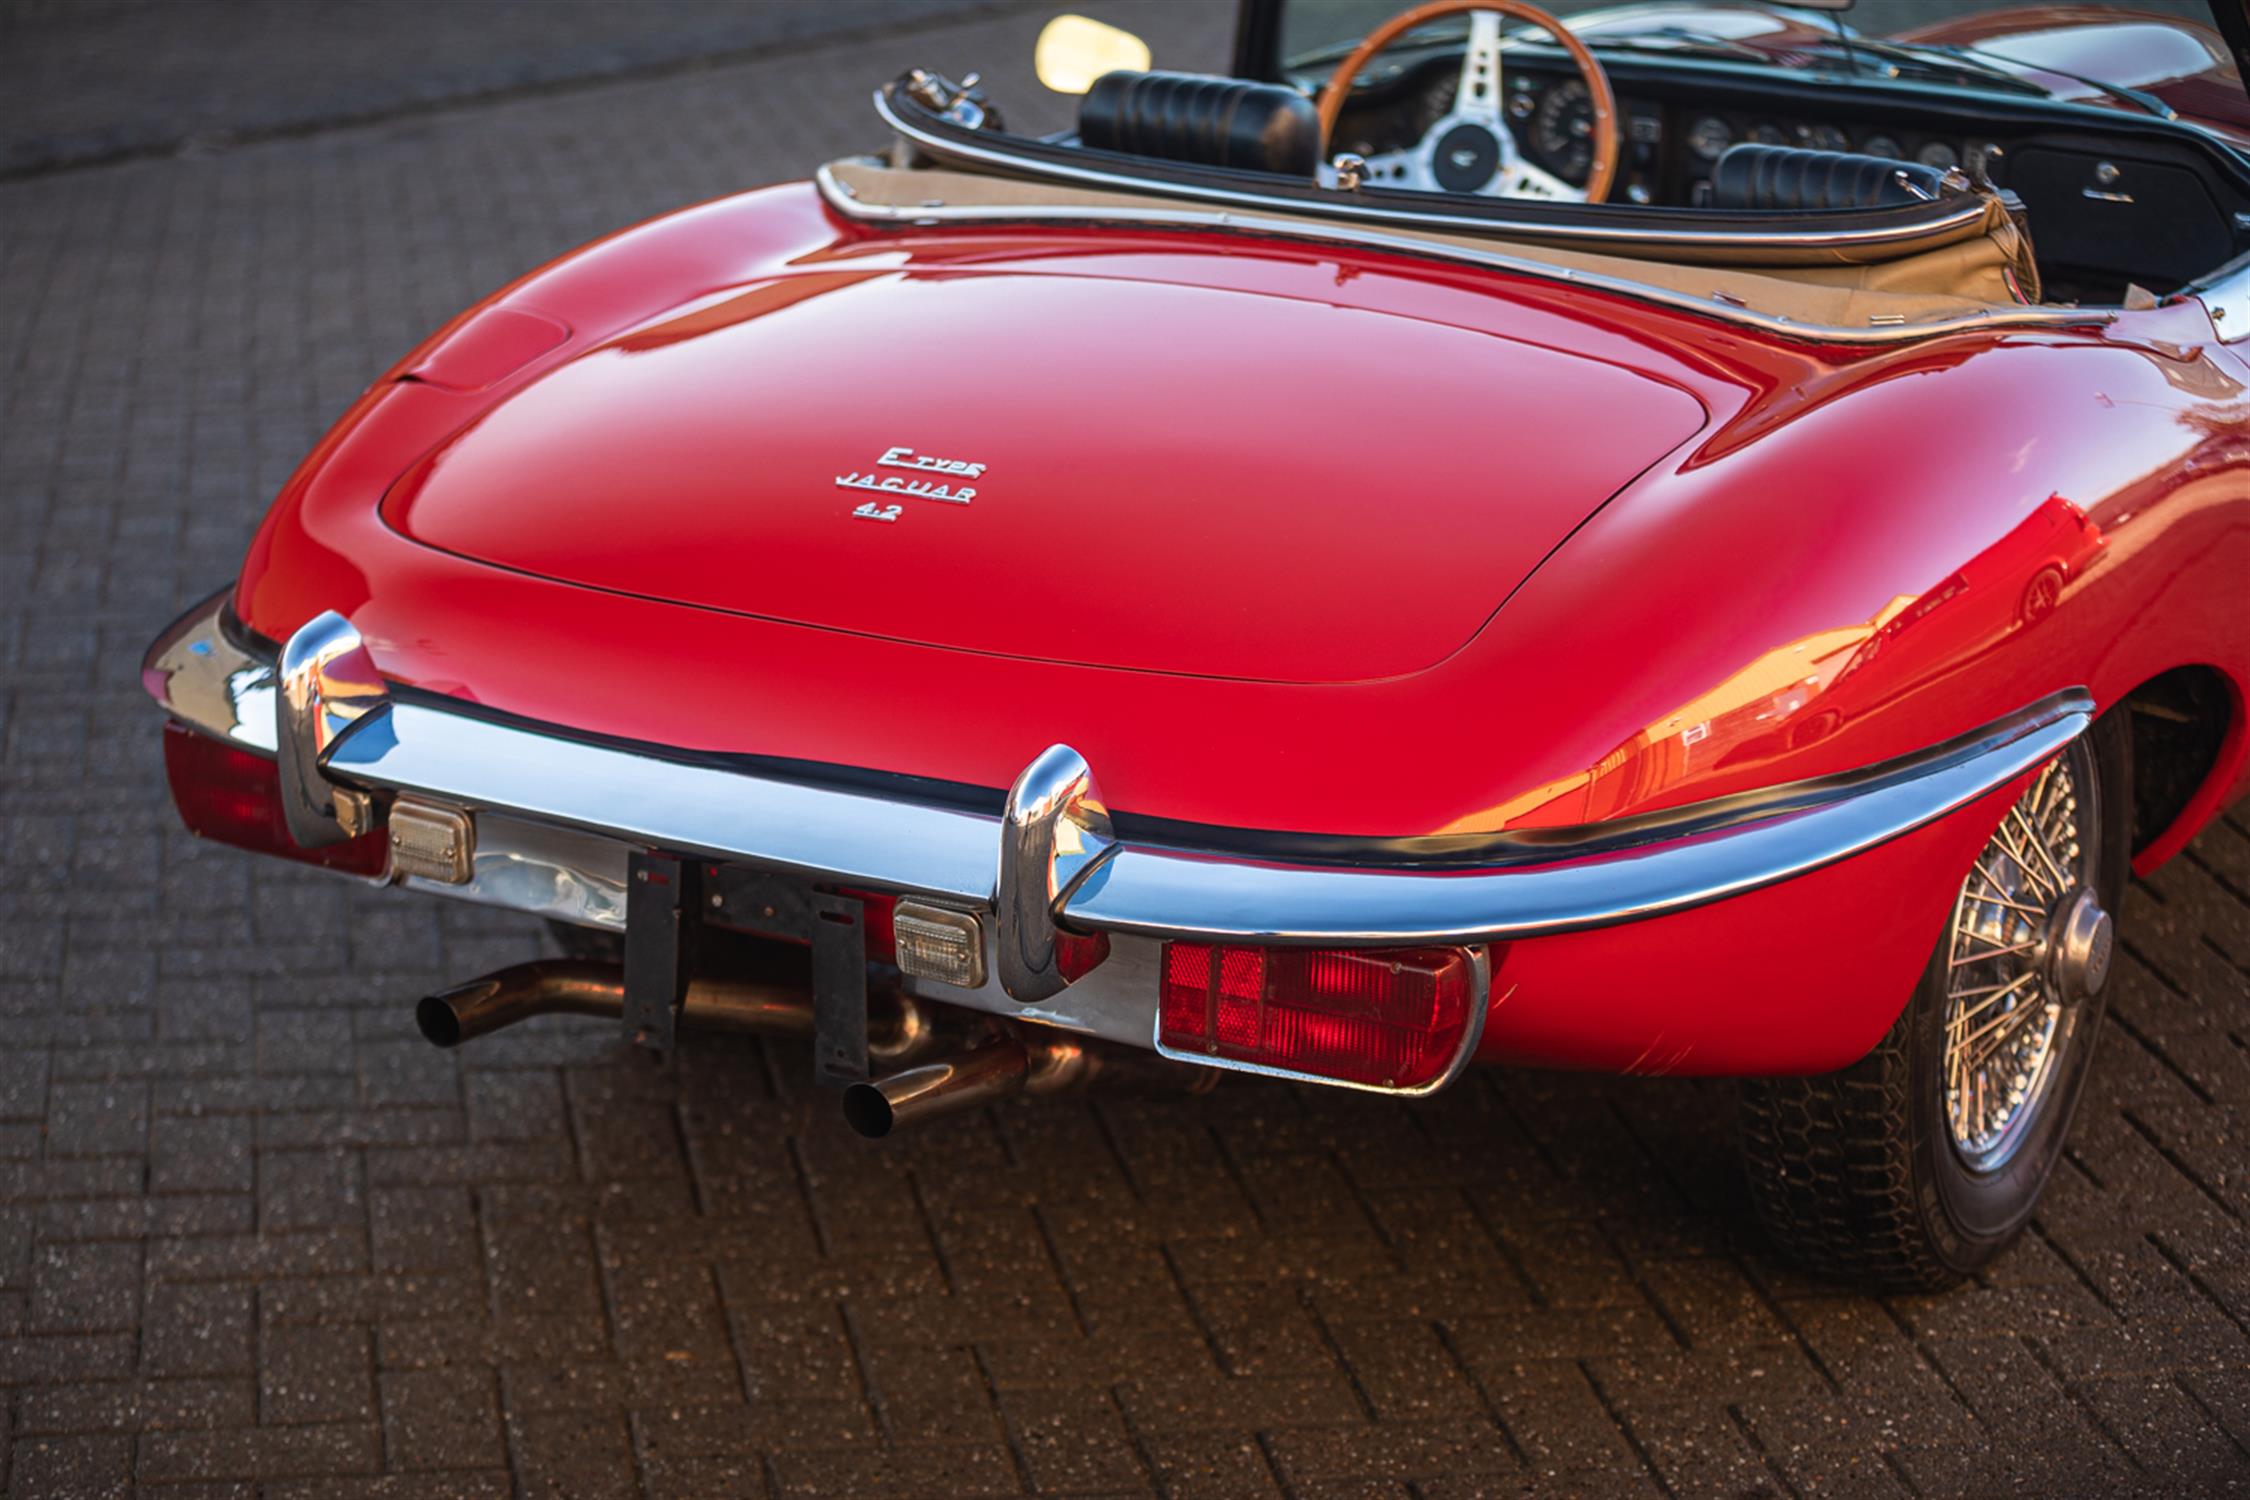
(937, 1067)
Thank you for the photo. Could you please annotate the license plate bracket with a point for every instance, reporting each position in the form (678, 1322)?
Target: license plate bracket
(669, 899)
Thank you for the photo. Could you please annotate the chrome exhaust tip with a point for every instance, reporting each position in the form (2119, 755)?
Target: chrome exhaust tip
(948, 1086)
(900, 1029)
(438, 1021)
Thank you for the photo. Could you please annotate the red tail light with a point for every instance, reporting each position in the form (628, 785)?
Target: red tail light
(233, 797)
(1389, 1018)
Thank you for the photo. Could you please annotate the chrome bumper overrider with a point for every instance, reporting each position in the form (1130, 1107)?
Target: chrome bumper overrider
(557, 815)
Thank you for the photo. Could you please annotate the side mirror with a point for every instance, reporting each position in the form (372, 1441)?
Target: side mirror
(1073, 51)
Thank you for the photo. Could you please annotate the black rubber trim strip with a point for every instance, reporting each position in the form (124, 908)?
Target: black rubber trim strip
(1481, 851)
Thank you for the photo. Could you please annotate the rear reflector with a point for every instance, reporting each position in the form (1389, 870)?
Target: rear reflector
(233, 797)
(1391, 1018)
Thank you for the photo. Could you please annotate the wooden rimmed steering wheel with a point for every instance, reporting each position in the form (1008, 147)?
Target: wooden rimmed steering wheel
(1471, 150)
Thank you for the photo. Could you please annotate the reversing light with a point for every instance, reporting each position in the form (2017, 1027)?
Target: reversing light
(232, 796)
(1391, 1018)
(933, 943)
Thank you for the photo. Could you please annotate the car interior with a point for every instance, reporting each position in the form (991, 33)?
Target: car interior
(1959, 195)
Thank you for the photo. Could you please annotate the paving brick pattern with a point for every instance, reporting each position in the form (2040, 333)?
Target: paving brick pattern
(257, 1239)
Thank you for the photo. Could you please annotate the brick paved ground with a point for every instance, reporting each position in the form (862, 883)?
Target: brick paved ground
(256, 1238)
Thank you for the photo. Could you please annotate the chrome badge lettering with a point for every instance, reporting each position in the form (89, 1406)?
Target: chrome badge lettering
(891, 484)
(945, 490)
(907, 458)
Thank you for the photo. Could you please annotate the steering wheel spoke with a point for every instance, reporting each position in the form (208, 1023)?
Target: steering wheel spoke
(1478, 97)
(1408, 167)
(1520, 179)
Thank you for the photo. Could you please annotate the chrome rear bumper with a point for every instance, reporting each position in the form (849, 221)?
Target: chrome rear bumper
(557, 815)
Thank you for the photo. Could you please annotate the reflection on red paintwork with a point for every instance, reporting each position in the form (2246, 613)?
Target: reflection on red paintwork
(1785, 699)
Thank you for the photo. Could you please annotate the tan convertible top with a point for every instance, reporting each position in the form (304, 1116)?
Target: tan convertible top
(1854, 293)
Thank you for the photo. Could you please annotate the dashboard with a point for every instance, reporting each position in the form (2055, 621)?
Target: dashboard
(1671, 146)
(2111, 203)
(1670, 150)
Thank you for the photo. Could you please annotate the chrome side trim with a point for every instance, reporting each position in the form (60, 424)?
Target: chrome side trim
(1054, 830)
(1175, 893)
(1480, 1003)
(840, 198)
(815, 831)
(328, 684)
(983, 154)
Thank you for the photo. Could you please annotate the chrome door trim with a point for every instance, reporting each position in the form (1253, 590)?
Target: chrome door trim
(840, 198)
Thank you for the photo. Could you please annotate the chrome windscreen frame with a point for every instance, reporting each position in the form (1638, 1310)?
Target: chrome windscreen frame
(557, 816)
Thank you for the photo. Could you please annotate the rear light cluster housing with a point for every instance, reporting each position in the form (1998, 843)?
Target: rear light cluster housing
(1396, 1019)
(233, 796)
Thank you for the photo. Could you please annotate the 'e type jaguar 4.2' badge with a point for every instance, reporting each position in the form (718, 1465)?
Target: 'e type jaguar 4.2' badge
(945, 488)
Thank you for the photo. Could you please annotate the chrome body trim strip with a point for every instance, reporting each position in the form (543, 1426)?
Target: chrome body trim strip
(514, 776)
(1175, 893)
(1480, 1005)
(1359, 207)
(697, 810)
(840, 198)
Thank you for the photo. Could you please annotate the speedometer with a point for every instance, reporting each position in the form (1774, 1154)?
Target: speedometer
(1562, 131)
(1710, 136)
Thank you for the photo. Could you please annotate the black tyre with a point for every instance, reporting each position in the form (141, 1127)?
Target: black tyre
(1920, 1163)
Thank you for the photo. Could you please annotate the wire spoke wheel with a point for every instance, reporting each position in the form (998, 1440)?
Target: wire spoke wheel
(1918, 1164)
(2027, 935)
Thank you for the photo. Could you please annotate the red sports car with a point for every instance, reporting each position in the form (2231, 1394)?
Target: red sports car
(1481, 537)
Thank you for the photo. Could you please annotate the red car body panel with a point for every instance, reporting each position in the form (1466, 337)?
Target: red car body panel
(1814, 559)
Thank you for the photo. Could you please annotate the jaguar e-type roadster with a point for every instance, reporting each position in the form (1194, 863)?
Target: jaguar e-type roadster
(1679, 539)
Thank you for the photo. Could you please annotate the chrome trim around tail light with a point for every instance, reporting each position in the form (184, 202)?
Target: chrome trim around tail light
(1055, 853)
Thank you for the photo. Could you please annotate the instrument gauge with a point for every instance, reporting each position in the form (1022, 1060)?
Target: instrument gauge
(1766, 133)
(1562, 131)
(1939, 155)
(1823, 138)
(1884, 146)
(1710, 136)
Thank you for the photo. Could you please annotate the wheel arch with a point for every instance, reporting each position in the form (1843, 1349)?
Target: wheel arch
(2188, 736)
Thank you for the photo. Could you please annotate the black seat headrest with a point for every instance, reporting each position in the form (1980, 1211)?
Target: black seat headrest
(1194, 117)
(1784, 177)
